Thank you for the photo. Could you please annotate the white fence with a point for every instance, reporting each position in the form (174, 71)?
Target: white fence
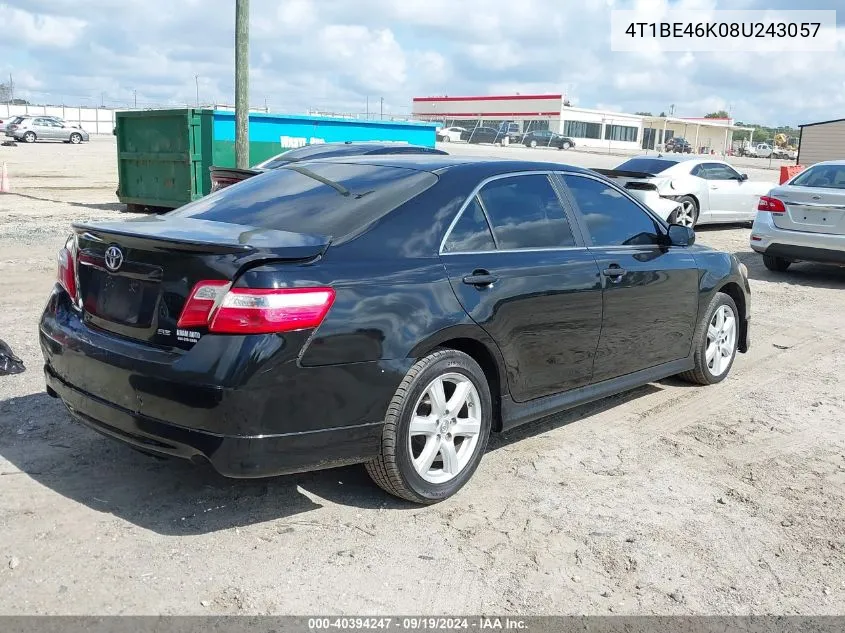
(92, 120)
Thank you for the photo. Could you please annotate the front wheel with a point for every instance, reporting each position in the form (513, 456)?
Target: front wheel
(29, 137)
(566, 145)
(435, 430)
(533, 144)
(776, 264)
(715, 342)
(686, 214)
(76, 138)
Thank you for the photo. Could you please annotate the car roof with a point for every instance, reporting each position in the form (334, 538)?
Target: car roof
(440, 163)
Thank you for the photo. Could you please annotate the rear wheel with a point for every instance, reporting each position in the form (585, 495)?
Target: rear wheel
(715, 342)
(76, 138)
(686, 214)
(566, 145)
(29, 137)
(533, 144)
(777, 264)
(436, 429)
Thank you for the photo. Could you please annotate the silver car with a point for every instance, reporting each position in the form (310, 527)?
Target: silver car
(803, 219)
(45, 128)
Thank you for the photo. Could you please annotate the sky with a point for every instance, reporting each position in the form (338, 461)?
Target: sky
(345, 56)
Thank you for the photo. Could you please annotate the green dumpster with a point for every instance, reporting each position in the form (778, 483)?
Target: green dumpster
(164, 156)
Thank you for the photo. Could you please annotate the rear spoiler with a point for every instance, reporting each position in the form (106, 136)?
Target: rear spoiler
(620, 173)
(205, 236)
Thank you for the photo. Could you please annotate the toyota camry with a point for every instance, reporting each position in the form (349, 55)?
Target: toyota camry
(392, 311)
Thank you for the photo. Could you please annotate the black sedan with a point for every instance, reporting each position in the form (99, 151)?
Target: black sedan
(678, 145)
(547, 138)
(484, 135)
(222, 177)
(393, 311)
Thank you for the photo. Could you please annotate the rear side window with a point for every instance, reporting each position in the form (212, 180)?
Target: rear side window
(331, 199)
(471, 232)
(525, 212)
(647, 165)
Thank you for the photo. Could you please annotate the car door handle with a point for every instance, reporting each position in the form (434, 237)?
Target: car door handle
(714, 186)
(480, 278)
(614, 272)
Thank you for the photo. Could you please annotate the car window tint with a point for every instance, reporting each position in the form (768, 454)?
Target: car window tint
(829, 176)
(330, 199)
(525, 212)
(471, 232)
(611, 217)
(717, 171)
(647, 165)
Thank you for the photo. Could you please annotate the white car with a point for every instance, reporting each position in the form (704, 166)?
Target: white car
(450, 134)
(803, 219)
(690, 191)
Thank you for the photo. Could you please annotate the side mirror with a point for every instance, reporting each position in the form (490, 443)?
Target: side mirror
(680, 235)
(743, 177)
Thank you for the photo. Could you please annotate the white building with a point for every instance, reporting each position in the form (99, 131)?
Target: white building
(588, 128)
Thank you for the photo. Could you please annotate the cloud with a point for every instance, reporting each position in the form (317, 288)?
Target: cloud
(338, 55)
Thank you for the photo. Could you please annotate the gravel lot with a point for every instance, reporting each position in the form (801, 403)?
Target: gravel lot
(670, 499)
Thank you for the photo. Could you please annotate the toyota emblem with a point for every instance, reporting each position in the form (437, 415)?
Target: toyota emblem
(114, 258)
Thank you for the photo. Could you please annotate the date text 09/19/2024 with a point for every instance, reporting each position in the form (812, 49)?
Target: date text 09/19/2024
(418, 623)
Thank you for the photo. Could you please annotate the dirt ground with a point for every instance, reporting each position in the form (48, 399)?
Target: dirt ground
(670, 499)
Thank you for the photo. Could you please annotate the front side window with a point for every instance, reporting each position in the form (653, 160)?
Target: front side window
(471, 232)
(716, 171)
(525, 212)
(611, 217)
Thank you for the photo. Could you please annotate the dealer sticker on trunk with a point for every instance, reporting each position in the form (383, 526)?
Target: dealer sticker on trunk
(187, 336)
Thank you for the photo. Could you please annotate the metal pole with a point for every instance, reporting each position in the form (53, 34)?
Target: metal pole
(135, 95)
(197, 81)
(242, 84)
(381, 109)
(11, 90)
(368, 107)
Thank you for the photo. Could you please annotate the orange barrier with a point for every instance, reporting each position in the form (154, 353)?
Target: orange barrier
(788, 171)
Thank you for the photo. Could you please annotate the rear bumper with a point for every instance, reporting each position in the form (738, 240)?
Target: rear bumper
(231, 456)
(768, 239)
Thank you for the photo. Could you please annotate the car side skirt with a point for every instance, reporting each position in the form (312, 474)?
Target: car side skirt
(517, 413)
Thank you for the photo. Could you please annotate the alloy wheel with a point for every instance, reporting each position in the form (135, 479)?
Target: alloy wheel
(721, 340)
(686, 214)
(445, 428)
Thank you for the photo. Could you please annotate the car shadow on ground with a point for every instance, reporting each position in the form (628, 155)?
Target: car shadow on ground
(174, 497)
(798, 274)
(97, 206)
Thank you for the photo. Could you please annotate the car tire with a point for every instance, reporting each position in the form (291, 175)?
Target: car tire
(713, 338)
(447, 139)
(76, 138)
(29, 137)
(565, 145)
(395, 470)
(533, 144)
(776, 264)
(689, 209)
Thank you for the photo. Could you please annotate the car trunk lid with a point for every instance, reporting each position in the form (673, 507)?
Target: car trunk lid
(135, 277)
(811, 209)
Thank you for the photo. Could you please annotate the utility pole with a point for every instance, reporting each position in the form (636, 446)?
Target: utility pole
(135, 96)
(242, 84)
(197, 82)
(368, 107)
(381, 108)
(11, 89)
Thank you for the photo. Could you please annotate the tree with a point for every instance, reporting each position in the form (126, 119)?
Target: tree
(5, 93)
(644, 113)
(721, 114)
(662, 115)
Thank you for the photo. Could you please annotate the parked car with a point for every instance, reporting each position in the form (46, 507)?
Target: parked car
(803, 219)
(450, 134)
(696, 190)
(784, 153)
(678, 145)
(390, 310)
(45, 128)
(8, 122)
(760, 150)
(222, 177)
(547, 138)
(483, 135)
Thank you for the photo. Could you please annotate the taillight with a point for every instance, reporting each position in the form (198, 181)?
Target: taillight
(201, 301)
(771, 205)
(67, 270)
(255, 311)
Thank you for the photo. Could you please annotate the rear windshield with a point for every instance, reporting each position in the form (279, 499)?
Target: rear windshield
(331, 199)
(647, 165)
(828, 176)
